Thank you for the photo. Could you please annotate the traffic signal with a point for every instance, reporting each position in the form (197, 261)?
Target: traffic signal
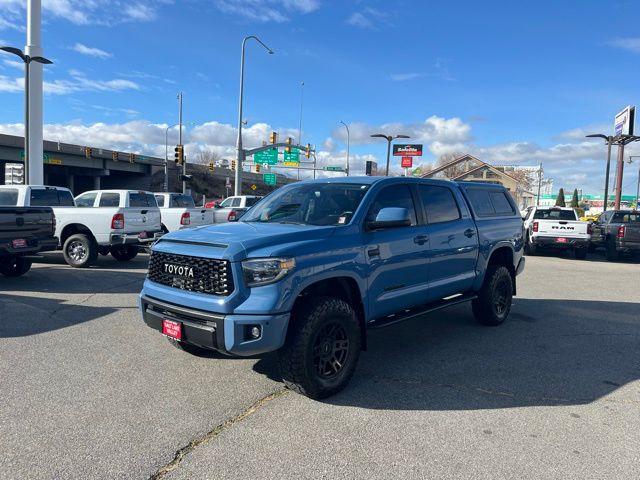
(273, 138)
(114, 156)
(257, 168)
(132, 158)
(289, 141)
(233, 164)
(87, 152)
(307, 150)
(212, 166)
(178, 156)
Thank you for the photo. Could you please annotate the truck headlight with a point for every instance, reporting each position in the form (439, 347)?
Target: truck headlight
(262, 271)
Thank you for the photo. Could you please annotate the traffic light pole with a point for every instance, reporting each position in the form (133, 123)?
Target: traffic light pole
(184, 163)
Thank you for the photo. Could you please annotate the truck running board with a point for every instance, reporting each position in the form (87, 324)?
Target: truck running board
(421, 310)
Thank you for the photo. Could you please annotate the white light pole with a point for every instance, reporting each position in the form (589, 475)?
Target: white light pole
(33, 169)
(240, 155)
(348, 142)
(33, 49)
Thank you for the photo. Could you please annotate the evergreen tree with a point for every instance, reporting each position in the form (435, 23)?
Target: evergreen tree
(575, 203)
(560, 199)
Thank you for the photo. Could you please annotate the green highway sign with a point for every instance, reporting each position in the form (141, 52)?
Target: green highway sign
(266, 157)
(334, 169)
(45, 157)
(293, 156)
(269, 178)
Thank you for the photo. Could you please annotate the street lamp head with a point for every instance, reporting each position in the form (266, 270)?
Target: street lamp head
(598, 135)
(42, 60)
(402, 136)
(379, 135)
(15, 51)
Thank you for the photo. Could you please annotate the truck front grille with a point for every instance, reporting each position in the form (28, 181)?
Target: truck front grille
(195, 274)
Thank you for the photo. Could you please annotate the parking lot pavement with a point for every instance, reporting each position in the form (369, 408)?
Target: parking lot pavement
(90, 392)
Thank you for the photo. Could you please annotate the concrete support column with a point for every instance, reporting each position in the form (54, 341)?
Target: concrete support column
(96, 183)
(34, 49)
(72, 183)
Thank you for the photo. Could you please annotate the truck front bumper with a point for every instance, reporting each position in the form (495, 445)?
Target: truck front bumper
(230, 334)
(552, 242)
(134, 238)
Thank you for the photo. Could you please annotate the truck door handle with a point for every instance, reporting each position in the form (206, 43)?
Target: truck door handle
(469, 232)
(144, 212)
(421, 239)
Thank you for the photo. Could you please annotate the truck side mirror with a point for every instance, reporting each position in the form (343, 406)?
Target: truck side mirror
(390, 217)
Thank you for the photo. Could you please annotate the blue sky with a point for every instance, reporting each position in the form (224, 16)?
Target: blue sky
(507, 81)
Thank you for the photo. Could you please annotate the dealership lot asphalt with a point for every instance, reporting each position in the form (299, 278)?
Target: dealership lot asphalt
(88, 391)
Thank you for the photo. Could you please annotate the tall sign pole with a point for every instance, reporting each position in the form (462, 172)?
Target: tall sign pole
(34, 147)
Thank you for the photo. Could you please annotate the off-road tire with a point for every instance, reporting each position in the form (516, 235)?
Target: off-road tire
(530, 249)
(310, 324)
(80, 251)
(493, 304)
(580, 253)
(15, 267)
(124, 253)
(612, 254)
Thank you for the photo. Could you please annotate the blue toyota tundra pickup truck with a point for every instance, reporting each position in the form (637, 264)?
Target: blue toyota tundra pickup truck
(315, 264)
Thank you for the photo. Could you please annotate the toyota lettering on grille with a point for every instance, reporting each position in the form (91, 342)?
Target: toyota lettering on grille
(179, 270)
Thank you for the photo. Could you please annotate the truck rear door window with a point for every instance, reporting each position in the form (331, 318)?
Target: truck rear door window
(439, 203)
(501, 203)
(553, 214)
(110, 200)
(9, 198)
(182, 201)
(50, 197)
(626, 217)
(480, 201)
(141, 199)
(160, 200)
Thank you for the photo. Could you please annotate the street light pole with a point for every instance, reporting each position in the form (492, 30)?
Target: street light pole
(300, 120)
(609, 139)
(27, 67)
(348, 142)
(539, 184)
(389, 139)
(237, 190)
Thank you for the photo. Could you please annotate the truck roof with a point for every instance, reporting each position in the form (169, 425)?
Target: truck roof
(552, 207)
(24, 187)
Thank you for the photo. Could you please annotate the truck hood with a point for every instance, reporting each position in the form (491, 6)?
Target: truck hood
(236, 241)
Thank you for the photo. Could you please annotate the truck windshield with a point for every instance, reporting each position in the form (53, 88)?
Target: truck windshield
(553, 214)
(310, 204)
(9, 197)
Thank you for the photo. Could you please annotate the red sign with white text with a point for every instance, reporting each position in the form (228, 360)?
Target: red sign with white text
(407, 162)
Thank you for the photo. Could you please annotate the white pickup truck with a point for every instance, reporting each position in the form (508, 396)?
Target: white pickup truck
(556, 228)
(232, 208)
(179, 212)
(106, 221)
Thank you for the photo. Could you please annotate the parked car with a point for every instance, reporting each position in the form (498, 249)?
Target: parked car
(309, 269)
(232, 208)
(179, 211)
(556, 228)
(23, 233)
(213, 203)
(617, 231)
(104, 221)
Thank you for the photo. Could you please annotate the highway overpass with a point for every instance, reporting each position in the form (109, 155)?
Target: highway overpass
(82, 168)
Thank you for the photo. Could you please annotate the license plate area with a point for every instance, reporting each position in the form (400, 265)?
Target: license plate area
(561, 240)
(172, 329)
(19, 243)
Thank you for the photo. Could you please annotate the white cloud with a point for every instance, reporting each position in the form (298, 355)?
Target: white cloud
(263, 11)
(14, 63)
(91, 51)
(77, 83)
(631, 44)
(368, 18)
(402, 77)
(82, 12)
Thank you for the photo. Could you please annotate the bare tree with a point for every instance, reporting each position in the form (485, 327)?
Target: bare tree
(454, 170)
(525, 178)
(204, 157)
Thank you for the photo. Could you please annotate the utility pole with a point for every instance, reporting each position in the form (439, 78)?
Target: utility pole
(609, 139)
(34, 168)
(300, 119)
(539, 184)
(184, 162)
(348, 144)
